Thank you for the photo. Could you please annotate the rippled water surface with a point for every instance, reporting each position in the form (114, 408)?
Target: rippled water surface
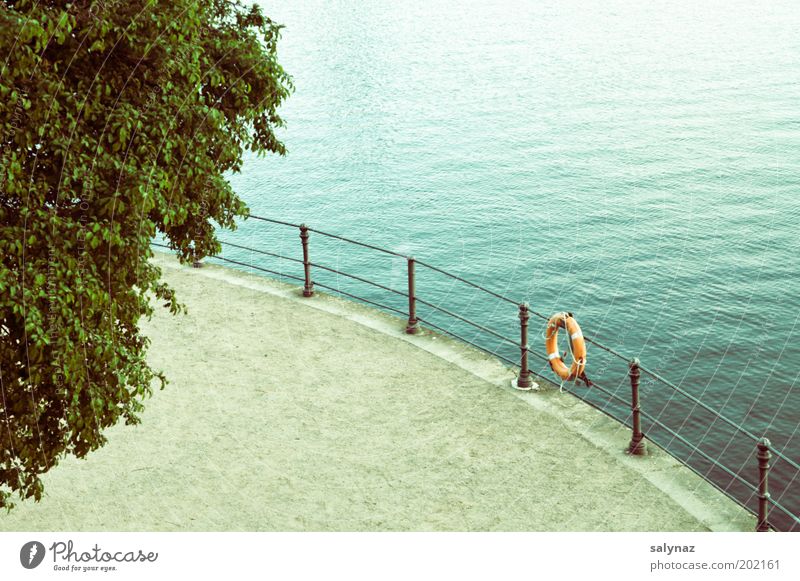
(636, 163)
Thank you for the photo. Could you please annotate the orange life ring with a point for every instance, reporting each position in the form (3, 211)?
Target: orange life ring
(578, 346)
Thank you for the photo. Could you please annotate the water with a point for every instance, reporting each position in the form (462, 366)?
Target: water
(633, 162)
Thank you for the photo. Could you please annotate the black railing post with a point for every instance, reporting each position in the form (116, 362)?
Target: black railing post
(308, 288)
(637, 446)
(763, 488)
(412, 328)
(524, 380)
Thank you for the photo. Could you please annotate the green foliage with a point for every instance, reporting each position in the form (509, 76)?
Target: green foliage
(118, 120)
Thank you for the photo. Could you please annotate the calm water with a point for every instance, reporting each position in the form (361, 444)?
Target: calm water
(637, 163)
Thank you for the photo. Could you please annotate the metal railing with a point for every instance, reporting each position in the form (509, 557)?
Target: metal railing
(785, 517)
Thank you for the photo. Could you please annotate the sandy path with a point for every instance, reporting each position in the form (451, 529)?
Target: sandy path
(285, 414)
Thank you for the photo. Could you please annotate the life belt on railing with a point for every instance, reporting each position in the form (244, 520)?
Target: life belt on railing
(578, 349)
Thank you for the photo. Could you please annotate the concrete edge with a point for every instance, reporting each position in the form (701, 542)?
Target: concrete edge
(713, 509)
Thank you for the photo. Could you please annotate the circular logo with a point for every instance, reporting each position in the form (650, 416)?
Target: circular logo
(31, 554)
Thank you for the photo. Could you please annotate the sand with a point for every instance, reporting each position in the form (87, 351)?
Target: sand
(316, 414)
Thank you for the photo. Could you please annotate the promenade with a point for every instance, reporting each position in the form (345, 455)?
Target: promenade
(318, 414)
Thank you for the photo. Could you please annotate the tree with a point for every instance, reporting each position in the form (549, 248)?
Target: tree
(118, 121)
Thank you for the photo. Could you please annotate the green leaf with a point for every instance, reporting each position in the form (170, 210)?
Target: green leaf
(67, 264)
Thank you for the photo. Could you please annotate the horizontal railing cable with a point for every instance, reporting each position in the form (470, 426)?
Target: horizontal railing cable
(652, 374)
(671, 432)
(472, 284)
(610, 394)
(259, 268)
(329, 235)
(716, 413)
(692, 447)
(697, 401)
(467, 341)
(622, 357)
(362, 244)
(484, 329)
(714, 462)
(358, 298)
(273, 221)
(783, 457)
(465, 320)
(364, 280)
(667, 429)
(786, 511)
(256, 250)
(604, 348)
